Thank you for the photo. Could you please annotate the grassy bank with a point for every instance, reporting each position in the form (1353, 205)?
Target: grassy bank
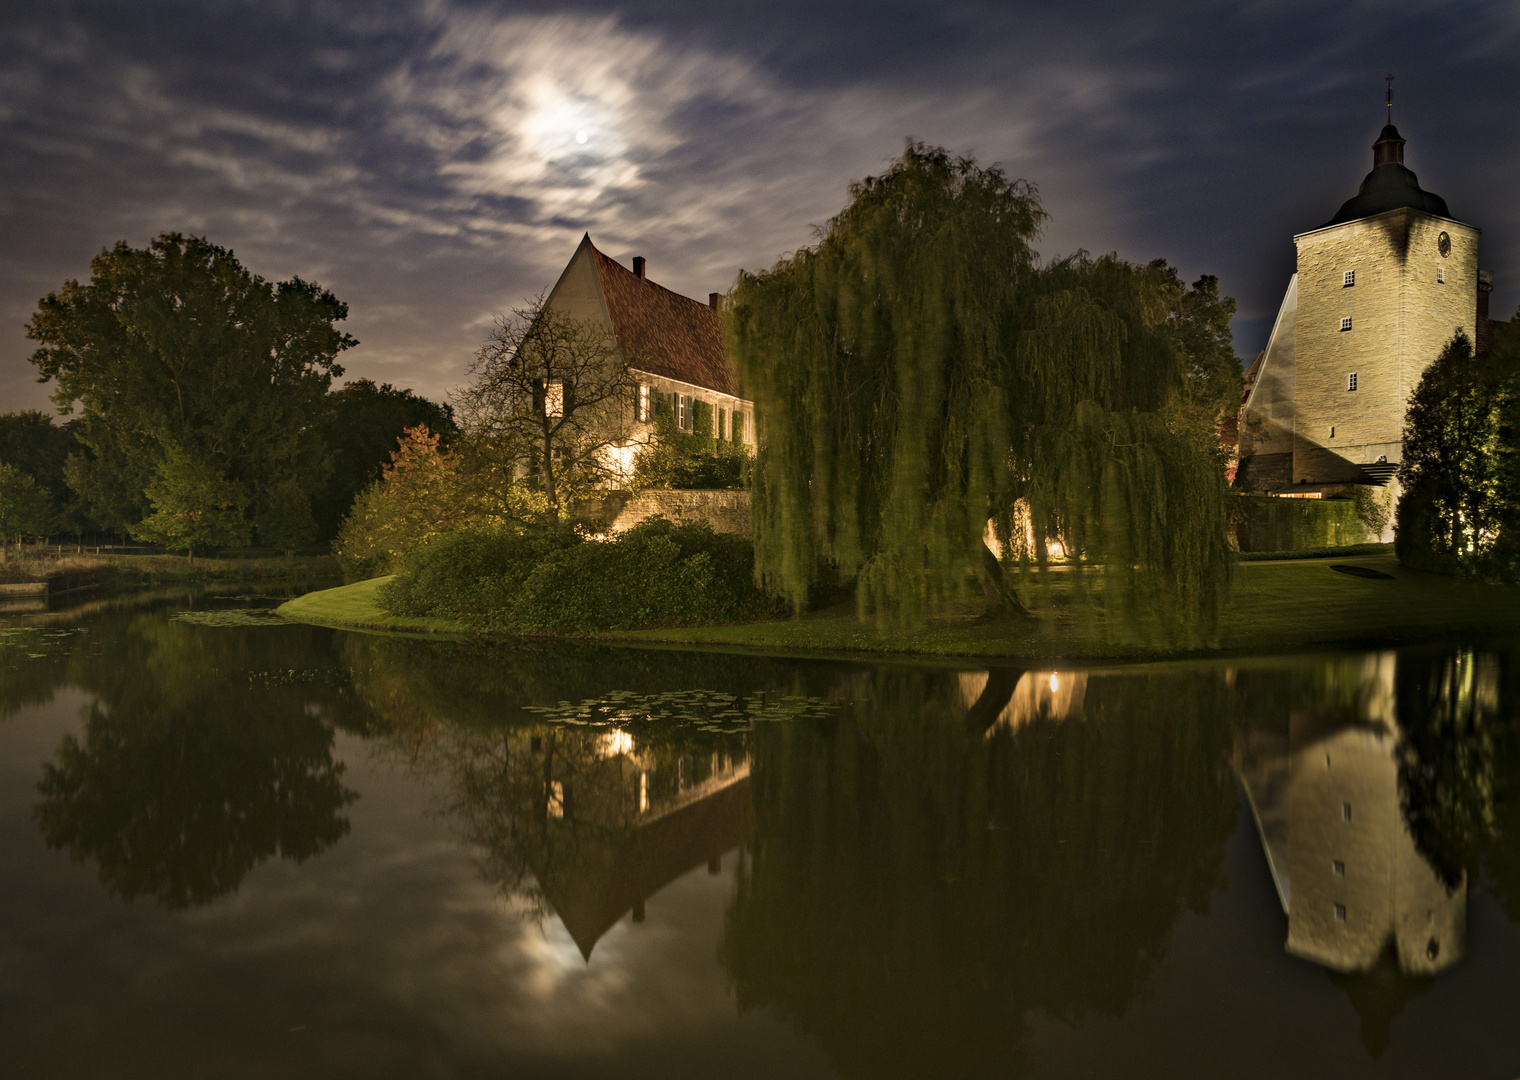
(138, 570)
(355, 607)
(1273, 607)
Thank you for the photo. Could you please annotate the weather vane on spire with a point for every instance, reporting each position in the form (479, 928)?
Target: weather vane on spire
(1390, 99)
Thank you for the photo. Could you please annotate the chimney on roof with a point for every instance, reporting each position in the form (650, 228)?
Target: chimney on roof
(638, 267)
(715, 301)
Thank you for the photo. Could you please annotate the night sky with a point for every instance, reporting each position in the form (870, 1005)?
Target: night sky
(422, 159)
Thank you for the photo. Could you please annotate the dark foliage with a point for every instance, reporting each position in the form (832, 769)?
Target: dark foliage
(921, 374)
(1447, 517)
(177, 348)
(690, 459)
(33, 443)
(360, 424)
(516, 580)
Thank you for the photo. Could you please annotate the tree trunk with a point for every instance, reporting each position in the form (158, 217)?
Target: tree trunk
(994, 698)
(551, 491)
(1002, 601)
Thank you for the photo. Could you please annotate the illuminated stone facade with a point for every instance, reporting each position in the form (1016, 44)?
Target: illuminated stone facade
(1380, 289)
(1404, 302)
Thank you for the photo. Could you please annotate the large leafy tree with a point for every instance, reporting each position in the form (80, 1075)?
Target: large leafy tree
(177, 348)
(194, 505)
(25, 509)
(918, 374)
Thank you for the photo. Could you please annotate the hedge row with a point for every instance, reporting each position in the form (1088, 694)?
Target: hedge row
(511, 580)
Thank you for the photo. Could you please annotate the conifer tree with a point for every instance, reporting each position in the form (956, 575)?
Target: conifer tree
(917, 374)
(1448, 514)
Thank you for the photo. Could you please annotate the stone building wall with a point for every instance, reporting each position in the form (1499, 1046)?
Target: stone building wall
(1401, 318)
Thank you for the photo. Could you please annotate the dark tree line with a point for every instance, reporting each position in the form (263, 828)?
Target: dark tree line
(200, 404)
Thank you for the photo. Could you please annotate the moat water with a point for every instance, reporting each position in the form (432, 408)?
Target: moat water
(235, 847)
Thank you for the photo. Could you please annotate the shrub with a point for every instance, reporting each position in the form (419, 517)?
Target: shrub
(418, 499)
(533, 580)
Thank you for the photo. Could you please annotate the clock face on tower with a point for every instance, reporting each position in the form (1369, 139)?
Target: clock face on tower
(1444, 243)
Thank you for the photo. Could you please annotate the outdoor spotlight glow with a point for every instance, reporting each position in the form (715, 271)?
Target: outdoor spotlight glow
(1055, 683)
(1054, 549)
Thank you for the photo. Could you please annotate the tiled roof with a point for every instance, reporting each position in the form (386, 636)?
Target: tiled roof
(662, 332)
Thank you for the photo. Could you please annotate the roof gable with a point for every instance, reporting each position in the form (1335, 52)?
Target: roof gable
(662, 332)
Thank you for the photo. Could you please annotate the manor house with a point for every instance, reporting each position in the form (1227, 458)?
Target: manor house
(1380, 289)
(672, 345)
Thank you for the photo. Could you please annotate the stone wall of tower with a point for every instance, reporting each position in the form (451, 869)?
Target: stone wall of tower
(1401, 317)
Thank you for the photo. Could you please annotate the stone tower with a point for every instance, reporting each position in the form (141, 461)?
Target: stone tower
(1381, 287)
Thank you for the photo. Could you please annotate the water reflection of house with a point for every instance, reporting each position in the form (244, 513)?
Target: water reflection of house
(620, 823)
(1323, 788)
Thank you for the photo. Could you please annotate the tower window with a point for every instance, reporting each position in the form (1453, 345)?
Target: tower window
(1351, 381)
(1340, 912)
(1332, 431)
(1345, 811)
(1440, 275)
(1345, 322)
(1340, 868)
(1348, 279)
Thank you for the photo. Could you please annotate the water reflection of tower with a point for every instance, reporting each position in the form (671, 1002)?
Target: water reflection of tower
(1323, 787)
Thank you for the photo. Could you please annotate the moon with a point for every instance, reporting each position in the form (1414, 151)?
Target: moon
(581, 137)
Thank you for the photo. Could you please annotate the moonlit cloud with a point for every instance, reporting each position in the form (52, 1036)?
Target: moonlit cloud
(435, 161)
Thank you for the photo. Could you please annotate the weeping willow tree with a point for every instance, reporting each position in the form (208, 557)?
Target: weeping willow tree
(919, 377)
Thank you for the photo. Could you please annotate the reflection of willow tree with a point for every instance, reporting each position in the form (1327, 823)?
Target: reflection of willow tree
(190, 772)
(916, 885)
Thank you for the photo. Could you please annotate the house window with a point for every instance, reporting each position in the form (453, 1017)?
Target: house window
(1340, 912)
(683, 412)
(554, 398)
(1348, 279)
(1440, 275)
(641, 410)
(1351, 381)
(1345, 322)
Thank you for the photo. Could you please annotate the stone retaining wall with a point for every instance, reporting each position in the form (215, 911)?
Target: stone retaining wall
(725, 511)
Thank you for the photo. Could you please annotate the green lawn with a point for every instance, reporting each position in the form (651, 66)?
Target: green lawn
(1272, 606)
(355, 607)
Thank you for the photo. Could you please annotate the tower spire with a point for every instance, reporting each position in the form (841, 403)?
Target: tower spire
(1390, 99)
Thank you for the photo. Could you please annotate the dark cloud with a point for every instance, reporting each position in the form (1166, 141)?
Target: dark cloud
(421, 159)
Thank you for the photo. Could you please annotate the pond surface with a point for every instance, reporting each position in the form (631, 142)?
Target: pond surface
(239, 848)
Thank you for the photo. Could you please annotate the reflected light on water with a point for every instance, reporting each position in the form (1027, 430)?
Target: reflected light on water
(614, 743)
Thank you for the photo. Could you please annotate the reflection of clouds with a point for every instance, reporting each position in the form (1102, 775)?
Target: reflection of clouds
(388, 952)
